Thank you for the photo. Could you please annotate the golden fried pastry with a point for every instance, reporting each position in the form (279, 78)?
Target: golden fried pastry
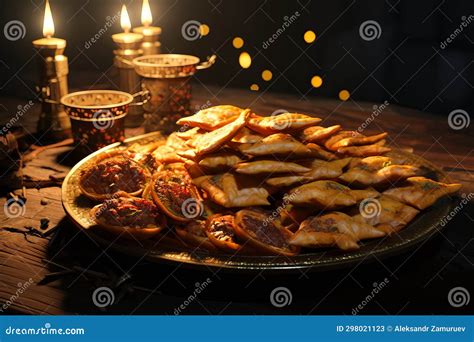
(229, 192)
(365, 151)
(221, 233)
(174, 192)
(190, 133)
(211, 118)
(377, 170)
(385, 213)
(246, 136)
(176, 142)
(318, 134)
(351, 138)
(279, 143)
(327, 195)
(319, 169)
(422, 192)
(319, 152)
(262, 233)
(333, 229)
(212, 141)
(194, 234)
(165, 154)
(286, 122)
(269, 166)
(219, 161)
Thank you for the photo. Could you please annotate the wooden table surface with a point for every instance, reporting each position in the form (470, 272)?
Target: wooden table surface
(419, 286)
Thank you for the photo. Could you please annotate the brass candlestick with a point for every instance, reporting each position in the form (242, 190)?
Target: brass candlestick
(128, 48)
(53, 123)
(151, 34)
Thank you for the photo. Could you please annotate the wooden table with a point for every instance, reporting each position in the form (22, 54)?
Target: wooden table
(418, 280)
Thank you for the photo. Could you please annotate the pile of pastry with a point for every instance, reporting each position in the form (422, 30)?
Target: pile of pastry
(232, 181)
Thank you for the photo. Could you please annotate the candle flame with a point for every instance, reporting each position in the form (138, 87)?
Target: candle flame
(48, 23)
(125, 20)
(147, 18)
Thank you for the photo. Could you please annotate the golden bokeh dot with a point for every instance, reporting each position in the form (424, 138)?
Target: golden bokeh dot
(344, 95)
(245, 60)
(204, 30)
(309, 36)
(238, 42)
(316, 81)
(254, 87)
(267, 75)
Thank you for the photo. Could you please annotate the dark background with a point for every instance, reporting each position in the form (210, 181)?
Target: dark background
(406, 65)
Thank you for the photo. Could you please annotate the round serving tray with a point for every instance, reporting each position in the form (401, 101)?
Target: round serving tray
(160, 249)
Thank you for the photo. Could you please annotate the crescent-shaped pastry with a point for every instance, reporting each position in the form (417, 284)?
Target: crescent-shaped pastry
(286, 122)
(333, 229)
(351, 138)
(269, 167)
(318, 134)
(211, 118)
(422, 192)
(279, 144)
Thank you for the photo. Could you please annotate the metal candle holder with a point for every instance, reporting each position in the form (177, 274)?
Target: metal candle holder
(167, 78)
(128, 49)
(151, 35)
(53, 123)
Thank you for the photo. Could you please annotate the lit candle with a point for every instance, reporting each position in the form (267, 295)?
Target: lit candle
(126, 39)
(53, 83)
(151, 34)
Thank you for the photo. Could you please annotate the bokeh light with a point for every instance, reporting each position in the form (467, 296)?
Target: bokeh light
(254, 87)
(344, 95)
(316, 81)
(238, 42)
(204, 30)
(309, 36)
(245, 60)
(267, 75)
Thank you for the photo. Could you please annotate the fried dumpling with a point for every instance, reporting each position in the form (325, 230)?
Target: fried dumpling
(221, 233)
(166, 154)
(318, 134)
(319, 169)
(385, 213)
(227, 191)
(190, 133)
(365, 151)
(246, 136)
(219, 161)
(212, 141)
(377, 170)
(285, 122)
(319, 152)
(175, 142)
(211, 118)
(327, 195)
(333, 229)
(279, 143)
(351, 138)
(269, 166)
(422, 192)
